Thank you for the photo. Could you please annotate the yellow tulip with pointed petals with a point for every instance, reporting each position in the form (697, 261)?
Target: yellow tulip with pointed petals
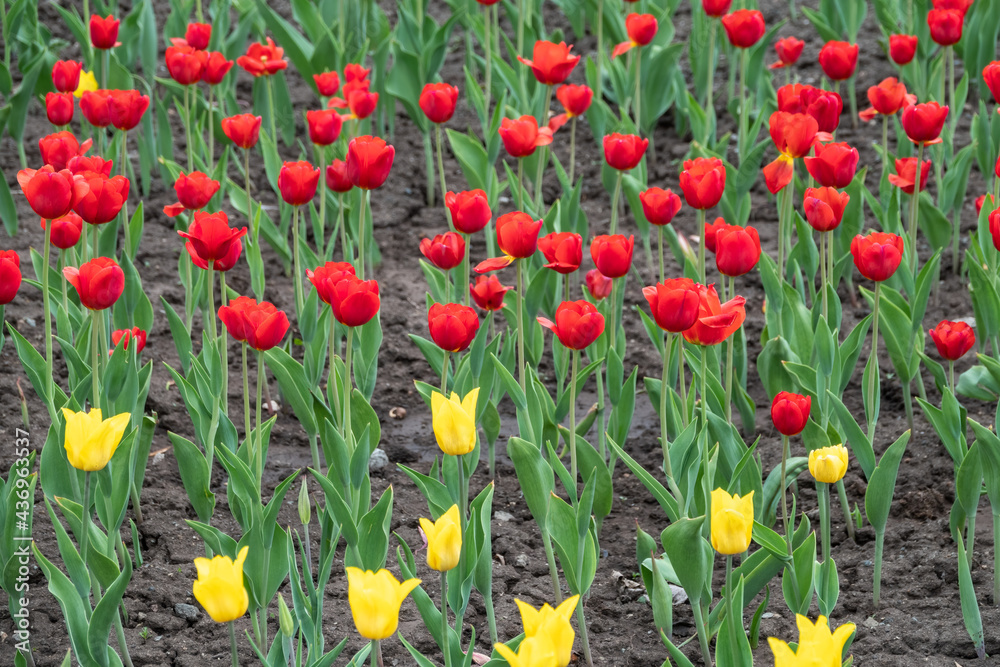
(828, 464)
(90, 440)
(552, 623)
(533, 652)
(818, 647)
(219, 588)
(375, 598)
(88, 83)
(732, 522)
(454, 422)
(444, 540)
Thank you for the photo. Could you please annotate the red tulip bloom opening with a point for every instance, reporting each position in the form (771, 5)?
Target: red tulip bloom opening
(104, 199)
(355, 302)
(259, 325)
(923, 122)
(327, 83)
(369, 160)
(216, 68)
(438, 101)
(326, 277)
(824, 208)
(877, 255)
(324, 126)
(551, 63)
(263, 59)
(185, 64)
(517, 236)
(10, 276)
(563, 251)
(51, 194)
(297, 182)
(789, 50)
(991, 76)
(470, 210)
(612, 254)
(744, 27)
(577, 325)
(488, 292)
(198, 35)
(716, 321)
(675, 304)
(887, 99)
(243, 129)
(794, 135)
(711, 232)
(822, 105)
(522, 136)
(598, 284)
(737, 250)
(703, 182)
(834, 165)
(445, 251)
(104, 32)
(95, 105)
(659, 206)
(905, 177)
(98, 282)
(953, 339)
(945, 26)
(839, 60)
(134, 334)
(575, 100)
(126, 107)
(641, 29)
(453, 327)
(624, 151)
(194, 191)
(59, 148)
(790, 412)
(211, 238)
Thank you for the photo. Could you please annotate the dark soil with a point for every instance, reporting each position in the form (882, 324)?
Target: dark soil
(920, 620)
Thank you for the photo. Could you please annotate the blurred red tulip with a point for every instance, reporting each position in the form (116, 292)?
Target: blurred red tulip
(794, 135)
(790, 412)
(488, 292)
(59, 148)
(703, 181)
(902, 48)
(126, 107)
(324, 126)
(577, 325)
(51, 193)
(104, 32)
(96, 107)
(562, 250)
(445, 251)
(263, 59)
(211, 237)
(242, 129)
(822, 105)
(824, 208)
(297, 182)
(337, 178)
(991, 76)
(216, 68)
(953, 339)
(355, 302)
(66, 75)
(980, 201)
(737, 250)
(551, 63)
(453, 327)
(104, 199)
(98, 282)
(711, 232)
(185, 64)
(59, 108)
(361, 103)
(640, 28)
(10, 276)
(82, 164)
(624, 151)
(598, 284)
(522, 136)
(437, 101)
(66, 230)
(789, 50)
(946, 26)
(923, 122)
(194, 191)
(716, 8)
(659, 205)
(259, 325)
(326, 277)
(877, 255)
(355, 72)
(327, 83)
(744, 27)
(716, 321)
(198, 35)
(834, 165)
(575, 100)
(135, 333)
(612, 254)
(517, 236)
(887, 98)
(470, 210)
(674, 304)
(839, 60)
(994, 221)
(369, 160)
(905, 177)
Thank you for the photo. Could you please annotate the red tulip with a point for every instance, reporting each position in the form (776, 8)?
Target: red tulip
(522, 136)
(624, 151)
(324, 126)
(659, 206)
(923, 122)
(360, 101)
(991, 75)
(994, 219)
(10, 276)
(551, 63)
(198, 35)
(946, 26)
(961, 6)
(98, 282)
(794, 135)
(744, 27)
(95, 105)
(59, 108)
(263, 59)
(185, 64)
(243, 129)
(575, 99)
(674, 304)
(355, 302)
(259, 325)
(641, 29)
(326, 277)
(51, 194)
(716, 321)
(598, 284)
(839, 60)
(355, 72)
(488, 292)
(902, 48)
(577, 325)
(612, 254)
(453, 327)
(563, 251)
(905, 177)
(337, 178)
(517, 236)
(194, 191)
(66, 230)
(126, 107)
(822, 105)
(834, 164)
(737, 250)
(327, 83)
(470, 210)
(953, 339)
(445, 251)
(790, 412)
(297, 182)
(66, 75)
(788, 49)
(83, 165)
(59, 148)
(703, 182)
(369, 160)
(104, 32)
(216, 68)
(211, 237)
(224, 263)
(104, 200)
(887, 98)
(711, 232)
(437, 101)
(716, 8)
(877, 255)
(135, 333)
(824, 208)
(980, 201)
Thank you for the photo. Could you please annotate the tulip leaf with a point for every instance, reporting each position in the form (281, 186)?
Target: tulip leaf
(105, 614)
(438, 499)
(882, 484)
(970, 605)
(373, 533)
(534, 475)
(989, 451)
(667, 502)
(797, 581)
(338, 508)
(76, 613)
(510, 385)
(770, 540)
(732, 645)
(690, 555)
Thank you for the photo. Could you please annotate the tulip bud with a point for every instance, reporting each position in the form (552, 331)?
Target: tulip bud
(444, 540)
(612, 254)
(953, 339)
(437, 101)
(790, 412)
(744, 27)
(902, 48)
(838, 60)
(10, 276)
(731, 522)
(285, 622)
(577, 325)
(877, 256)
(305, 507)
(828, 464)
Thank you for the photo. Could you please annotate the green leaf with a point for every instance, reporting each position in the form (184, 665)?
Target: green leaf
(882, 484)
(690, 555)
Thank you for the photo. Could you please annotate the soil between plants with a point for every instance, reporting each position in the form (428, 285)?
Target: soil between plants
(920, 618)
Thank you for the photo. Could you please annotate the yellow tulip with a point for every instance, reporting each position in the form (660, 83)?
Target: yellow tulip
(444, 540)
(375, 598)
(88, 83)
(533, 652)
(818, 647)
(455, 422)
(219, 587)
(91, 441)
(553, 624)
(732, 522)
(828, 464)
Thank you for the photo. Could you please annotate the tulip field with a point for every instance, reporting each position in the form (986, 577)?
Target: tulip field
(499, 332)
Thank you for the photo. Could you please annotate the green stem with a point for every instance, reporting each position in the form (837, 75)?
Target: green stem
(599, 92)
(232, 643)
(744, 112)
(331, 377)
(321, 238)
(440, 162)
(822, 269)
(638, 90)
(543, 155)
(613, 323)
(877, 582)
(885, 149)
(572, 422)
(659, 239)
(956, 112)
(996, 560)
(85, 519)
(732, 613)
(584, 635)
(553, 572)
(951, 376)
(463, 494)
(429, 168)
(521, 365)
(488, 84)
(784, 492)
(211, 130)
(683, 381)
(845, 506)
(95, 359)
(614, 202)
(123, 169)
(362, 232)
(444, 374)
(823, 491)
(260, 442)
(520, 183)
(297, 268)
(873, 376)
(600, 413)
(710, 84)
(701, 244)
(914, 208)
(270, 105)
(730, 344)
(704, 427)
(47, 308)
(572, 150)
(445, 630)
(348, 386)
(702, 629)
(465, 270)
(246, 398)
(187, 128)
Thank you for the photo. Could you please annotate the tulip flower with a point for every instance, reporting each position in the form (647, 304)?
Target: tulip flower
(219, 587)
(59, 108)
(104, 199)
(731, 522)
(438, 101)
(822, 105)
(833, 165)
(716, 8)
(532, 652)
(980, 201)
(59, 148)
(198, 35)
(576, 100)
(905, 177)
(703, 182)
(945, 26)
(839, 60)
(51, 193)
(744, 27)
(991, 76)
(737, 250)
(337, 178)
(552, 623)
(887, 99)
(324, 126)
(104, 32)
(297, 182)
(10, 276)
(577, 325)
(470, 210)
(360, 101)
(98, 282)
(445, 251)
(624, 152)
(789, 414)
(517, 236)
(640, 28)
(211, 237)
(716, 321)
(828, 464)
(96, 107)
(355, 302)
(85, 165)
(953, 340)
(794, 135)
(522, 135)
(923, 122)
(444, 539)
(90, 440)
(788, 49)
(454, 422)
(194, 191)
(824, 208)
(327, 83)
(134, 334)
(562, 250)
(877, 256)
(243, 129)
(452, 326)
(185, 64)
(488, 293)
(659, 207)
(816, 643)
(369, 160)
(902, 48)
(259, 325)
(326, 277)
(263, 59)
(66, 230)
(216, 69)
(66, 75)
(612, 254)
(551, 63)
(88, 83)
(711, 232)
(598, 284)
